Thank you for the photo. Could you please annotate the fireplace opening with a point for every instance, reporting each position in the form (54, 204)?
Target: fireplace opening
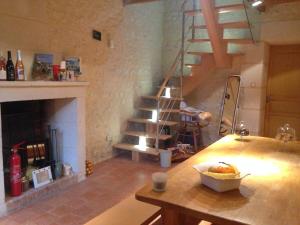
(48, 130)
(22, 121)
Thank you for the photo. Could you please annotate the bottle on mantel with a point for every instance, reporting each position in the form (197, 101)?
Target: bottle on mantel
(10, 69)
(20, 75)
(2, 67)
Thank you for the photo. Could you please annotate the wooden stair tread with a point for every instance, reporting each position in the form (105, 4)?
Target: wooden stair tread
(193, 12)
(161, 110)
(210, 53)
(230, 8)
(171, 87)
(192, 65)
(152, 136)
(233, 25)
(136, 148)
(228, 25)
(199, 40)
(199, 53)
(203, 222)
(155, 98)
(198, 27)
(219, 9)
(239, 41)
(149, 121)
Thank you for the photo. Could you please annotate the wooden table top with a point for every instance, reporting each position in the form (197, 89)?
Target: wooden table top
(269, 196)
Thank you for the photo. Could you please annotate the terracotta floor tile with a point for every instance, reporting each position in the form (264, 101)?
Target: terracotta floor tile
(113, 180)
(60, 210)
(83, 210)
(68, 219)
(9, 222)
(26, 215)
(44, 219)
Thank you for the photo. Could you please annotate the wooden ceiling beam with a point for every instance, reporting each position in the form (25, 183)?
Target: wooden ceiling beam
(127, 2)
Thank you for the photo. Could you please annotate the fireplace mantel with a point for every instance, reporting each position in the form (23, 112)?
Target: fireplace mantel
(43, 83)
(66, 105)
(38, 90)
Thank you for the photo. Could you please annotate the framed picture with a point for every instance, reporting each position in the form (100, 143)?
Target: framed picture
(42, 67)
(74, 64)
(42, 177)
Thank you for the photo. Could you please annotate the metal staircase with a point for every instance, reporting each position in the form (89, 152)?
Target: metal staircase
(159, 114)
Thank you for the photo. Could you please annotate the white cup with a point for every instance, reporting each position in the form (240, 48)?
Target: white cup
(67, 169)
(159, 181)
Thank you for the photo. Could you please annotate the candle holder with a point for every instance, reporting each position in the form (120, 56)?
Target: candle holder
(242, 130)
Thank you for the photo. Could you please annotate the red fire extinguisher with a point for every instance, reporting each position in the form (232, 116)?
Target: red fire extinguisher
(15, 171)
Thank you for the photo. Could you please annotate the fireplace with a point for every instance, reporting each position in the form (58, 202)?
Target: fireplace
(28, 109)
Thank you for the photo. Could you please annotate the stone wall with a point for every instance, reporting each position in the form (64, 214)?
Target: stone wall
(117, 76)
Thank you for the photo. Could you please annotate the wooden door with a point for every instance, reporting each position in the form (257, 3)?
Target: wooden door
(283, 89)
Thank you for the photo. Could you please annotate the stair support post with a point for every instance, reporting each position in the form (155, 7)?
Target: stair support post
(182, 52)
(157, 125)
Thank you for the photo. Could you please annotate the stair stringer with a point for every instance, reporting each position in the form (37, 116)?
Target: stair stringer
(207, 95)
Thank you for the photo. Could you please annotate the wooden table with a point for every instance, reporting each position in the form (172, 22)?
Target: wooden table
(269, 196)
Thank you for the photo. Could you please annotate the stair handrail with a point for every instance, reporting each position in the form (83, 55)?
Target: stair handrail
(169, 74)
(183, 5)
(181, 53)
(179, 59)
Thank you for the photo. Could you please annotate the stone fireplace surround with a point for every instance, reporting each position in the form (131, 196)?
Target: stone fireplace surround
(66, 112)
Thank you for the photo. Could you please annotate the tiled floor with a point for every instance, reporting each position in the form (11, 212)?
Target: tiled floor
(112, 181)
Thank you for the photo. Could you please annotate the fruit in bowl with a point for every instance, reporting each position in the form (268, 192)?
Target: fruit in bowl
(219, 176)
(222, 170)
(223, 167)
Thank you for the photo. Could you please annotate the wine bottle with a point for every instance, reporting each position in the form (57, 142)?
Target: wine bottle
(2, 67)
(19, 67)
(10, 69)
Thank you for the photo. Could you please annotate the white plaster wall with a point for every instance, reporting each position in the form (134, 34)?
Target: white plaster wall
(253, 87)
(67, 117)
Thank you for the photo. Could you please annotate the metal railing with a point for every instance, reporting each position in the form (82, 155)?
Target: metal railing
(167, 104)
(246, 5)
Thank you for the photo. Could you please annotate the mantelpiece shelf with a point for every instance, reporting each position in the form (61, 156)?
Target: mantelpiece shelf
(43, 83)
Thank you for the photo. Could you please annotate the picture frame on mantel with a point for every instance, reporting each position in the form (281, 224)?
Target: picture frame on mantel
(42, 67)
(42, 177)
(74, 64)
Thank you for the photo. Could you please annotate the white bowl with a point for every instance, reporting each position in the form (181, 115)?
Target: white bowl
(216, 183)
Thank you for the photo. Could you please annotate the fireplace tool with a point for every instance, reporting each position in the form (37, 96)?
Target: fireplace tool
(56, 154)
